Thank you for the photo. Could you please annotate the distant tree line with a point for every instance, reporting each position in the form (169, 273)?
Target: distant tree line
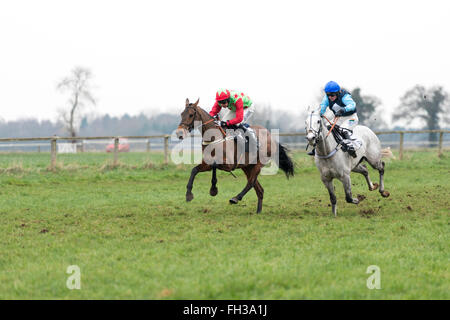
(126, 125)
(429, 107)
(106, 125)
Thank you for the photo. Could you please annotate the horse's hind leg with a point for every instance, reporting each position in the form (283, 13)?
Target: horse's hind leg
(247, 187)
(252, 175)
(361, 168)
(377, 164)
(213, 191)
(380, 168)
(330, 187)
(260, 194)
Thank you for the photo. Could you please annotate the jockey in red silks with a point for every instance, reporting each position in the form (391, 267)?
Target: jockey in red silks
(240, 110)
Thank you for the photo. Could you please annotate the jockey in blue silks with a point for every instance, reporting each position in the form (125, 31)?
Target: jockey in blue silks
(341, 103)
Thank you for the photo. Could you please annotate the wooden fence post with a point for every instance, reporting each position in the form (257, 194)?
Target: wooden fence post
(401, 146)
(166, 149)
(116, 151)
(441, 139)
(53, 154)
(148, 145)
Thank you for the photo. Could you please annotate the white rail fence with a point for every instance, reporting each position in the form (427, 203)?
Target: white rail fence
(80, 144)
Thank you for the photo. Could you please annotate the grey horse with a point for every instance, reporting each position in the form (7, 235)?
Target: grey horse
(333, 162)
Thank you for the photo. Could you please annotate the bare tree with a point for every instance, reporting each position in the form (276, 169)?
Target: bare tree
(80, 94)
(430, 105)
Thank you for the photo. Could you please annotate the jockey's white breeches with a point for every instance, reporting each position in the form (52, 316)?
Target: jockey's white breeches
(348, 122)
(228, 114)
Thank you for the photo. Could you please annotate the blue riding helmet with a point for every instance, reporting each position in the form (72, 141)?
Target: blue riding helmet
(332, 87)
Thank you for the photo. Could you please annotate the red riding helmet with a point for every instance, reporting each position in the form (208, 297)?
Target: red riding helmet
(222, 94)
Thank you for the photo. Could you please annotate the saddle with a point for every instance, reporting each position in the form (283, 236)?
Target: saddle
(239, 135)
(340, 136)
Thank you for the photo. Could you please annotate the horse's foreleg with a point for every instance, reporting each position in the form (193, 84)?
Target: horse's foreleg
(330, 187)
(346, 181)
(381, 171)
(213, 191)
(361, 168)
(200, 168)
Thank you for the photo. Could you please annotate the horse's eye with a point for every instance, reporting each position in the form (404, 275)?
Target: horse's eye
(191, 115)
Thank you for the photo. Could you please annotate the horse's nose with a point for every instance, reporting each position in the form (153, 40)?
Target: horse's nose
(310, 137)
(180, 133)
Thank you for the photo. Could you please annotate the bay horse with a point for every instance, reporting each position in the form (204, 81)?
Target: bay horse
(193, 113)
(333, 162)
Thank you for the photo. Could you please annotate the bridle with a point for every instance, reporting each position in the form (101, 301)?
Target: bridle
(316, 132)
(190, 126)
(317, 135)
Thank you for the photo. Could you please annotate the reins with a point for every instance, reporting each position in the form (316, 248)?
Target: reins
(220, 128)
(332, 127)
(191, 125)
(332, 153)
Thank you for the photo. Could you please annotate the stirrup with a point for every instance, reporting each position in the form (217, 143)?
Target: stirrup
(351, 151)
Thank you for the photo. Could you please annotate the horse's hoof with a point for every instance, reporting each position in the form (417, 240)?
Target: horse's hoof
(375, 187)
(385, 194)
(189, 197)
(234, 200)
(213, 192)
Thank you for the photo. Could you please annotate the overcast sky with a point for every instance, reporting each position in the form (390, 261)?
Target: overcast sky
(150, 56)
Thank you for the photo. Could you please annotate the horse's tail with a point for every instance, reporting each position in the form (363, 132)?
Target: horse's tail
(285, 162)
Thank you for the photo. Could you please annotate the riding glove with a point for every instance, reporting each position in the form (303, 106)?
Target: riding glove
(340, 112)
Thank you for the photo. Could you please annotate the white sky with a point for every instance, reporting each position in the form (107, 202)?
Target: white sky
(149, 56)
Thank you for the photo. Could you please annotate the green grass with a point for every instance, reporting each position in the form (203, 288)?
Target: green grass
(133, 235)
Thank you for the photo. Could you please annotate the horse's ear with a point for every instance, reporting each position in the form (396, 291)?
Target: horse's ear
(309, 108)
(196, 102)
(187, 102)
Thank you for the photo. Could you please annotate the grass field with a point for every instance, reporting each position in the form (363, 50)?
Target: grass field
(133, 235)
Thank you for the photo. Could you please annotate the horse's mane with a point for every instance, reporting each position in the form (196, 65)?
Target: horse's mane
(200, 109)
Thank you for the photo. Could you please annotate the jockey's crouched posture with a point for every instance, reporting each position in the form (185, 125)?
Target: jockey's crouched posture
(241, 109)
(341, 103)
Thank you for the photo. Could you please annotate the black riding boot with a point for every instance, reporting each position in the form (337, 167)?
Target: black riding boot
(312, 152)
(348, 146)
(251, 135)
